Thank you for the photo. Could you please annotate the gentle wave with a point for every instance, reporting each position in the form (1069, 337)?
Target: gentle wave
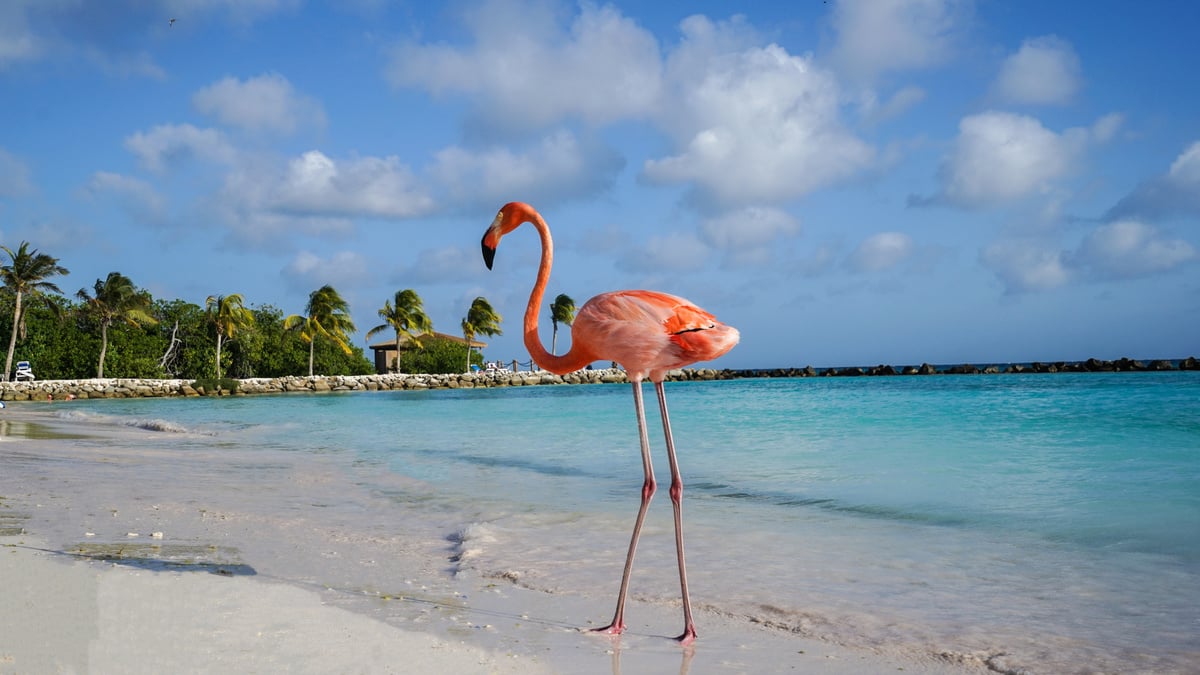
(146, 424)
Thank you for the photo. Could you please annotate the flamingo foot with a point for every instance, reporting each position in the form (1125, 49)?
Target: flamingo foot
(688, 637)
(614, 628)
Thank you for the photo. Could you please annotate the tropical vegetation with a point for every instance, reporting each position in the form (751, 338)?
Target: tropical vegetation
(562, 310)
(115, 300)
(115, 329)
(25, 277)
(481, 319)
(326, 315)
(407, 317)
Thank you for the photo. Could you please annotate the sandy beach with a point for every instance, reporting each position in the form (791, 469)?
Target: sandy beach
(104, 575)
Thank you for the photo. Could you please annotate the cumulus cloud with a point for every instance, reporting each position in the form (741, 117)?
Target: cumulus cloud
(672, 252)
(136, 196)
(878, 36)
(531, 71)
(316, 184)
(1125, 249)
(437, 265)
(880, 252)
(1026, 265)
(1174, 193)
(1000, 156)
(752, 126)
(1044, 71)
(343, 269)
(1129, 249)
(749, 227)
(17, 41)
(748, 124)
(168, 145)
(316, 195)
(558, 166)
(264, 103)
(14, 176)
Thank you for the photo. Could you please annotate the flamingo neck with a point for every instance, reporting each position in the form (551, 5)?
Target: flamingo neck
(574, 359)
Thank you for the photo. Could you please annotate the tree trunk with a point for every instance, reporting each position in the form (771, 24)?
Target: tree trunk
(103, 348)
(311, 345)
(12, 340)
(218, 354)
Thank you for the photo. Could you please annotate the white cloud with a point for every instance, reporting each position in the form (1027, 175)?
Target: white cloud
(136, 196)
(877, 36)
(343, 269)
(756, 126)
(264, 103)
(1174, 193)
(169, 144)
(17, 41)
(1129, 249)
(1045, 70)
(556, 167)
(1026, 265)
(1125, 249)
(1001, 156)
(672, 252)
(448, 263)
(880, 252)
(314, 184)
(874, 112)
(749, 227)
(749, 124)
(14, 176)
(1186, 167)
(530, 71)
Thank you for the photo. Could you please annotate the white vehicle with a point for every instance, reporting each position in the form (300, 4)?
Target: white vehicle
(24, 371)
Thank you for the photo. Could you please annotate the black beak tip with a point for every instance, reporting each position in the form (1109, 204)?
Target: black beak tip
(489, 254)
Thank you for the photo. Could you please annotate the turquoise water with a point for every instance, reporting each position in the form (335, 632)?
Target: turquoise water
(1052, 518)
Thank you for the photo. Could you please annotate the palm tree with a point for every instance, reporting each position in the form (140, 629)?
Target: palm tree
(562, 310)
(407, 316)
(326, 314)
(116, 299)
(481, 319)
(229, 314)
(26, 275)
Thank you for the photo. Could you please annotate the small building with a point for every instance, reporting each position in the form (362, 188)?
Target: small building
(386, 354)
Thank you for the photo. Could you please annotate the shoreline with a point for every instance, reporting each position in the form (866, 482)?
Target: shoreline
(43, 390)
(221, 579)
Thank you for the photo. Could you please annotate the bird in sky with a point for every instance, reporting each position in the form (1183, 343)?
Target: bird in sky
(171, 23)
(648, 333)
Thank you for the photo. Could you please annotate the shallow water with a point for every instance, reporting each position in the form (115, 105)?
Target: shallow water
(1054, 519)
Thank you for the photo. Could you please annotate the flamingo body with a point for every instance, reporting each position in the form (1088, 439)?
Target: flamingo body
(647, 332)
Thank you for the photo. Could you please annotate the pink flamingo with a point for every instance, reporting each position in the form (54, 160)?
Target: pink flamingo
(647, 332)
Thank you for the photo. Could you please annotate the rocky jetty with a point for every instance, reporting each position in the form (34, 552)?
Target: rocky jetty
(43, 390)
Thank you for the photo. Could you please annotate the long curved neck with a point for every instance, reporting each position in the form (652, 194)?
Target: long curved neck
(574, 359)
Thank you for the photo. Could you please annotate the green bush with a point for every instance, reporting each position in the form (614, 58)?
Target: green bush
(438, 355)
(211, 385)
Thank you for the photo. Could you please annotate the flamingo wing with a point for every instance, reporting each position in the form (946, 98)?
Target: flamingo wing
(649, 332)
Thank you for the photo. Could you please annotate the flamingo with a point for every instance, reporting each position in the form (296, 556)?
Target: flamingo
(648, 333)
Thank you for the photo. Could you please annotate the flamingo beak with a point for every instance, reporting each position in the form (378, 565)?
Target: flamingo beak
(489, 252)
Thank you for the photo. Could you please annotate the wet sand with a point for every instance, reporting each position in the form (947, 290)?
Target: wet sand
(119, 553)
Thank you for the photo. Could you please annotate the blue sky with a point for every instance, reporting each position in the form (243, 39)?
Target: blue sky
(847, 182)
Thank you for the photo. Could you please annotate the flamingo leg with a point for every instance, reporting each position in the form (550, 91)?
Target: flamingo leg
(689, 627)
(648, 487)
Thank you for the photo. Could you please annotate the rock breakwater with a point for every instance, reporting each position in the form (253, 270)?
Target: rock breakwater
(57, 390)
(43, 390)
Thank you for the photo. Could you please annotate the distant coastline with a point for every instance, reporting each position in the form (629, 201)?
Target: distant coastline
(60, 390)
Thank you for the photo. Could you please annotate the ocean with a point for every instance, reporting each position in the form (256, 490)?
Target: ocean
(1050, 523)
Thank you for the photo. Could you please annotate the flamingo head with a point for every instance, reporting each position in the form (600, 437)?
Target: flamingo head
(511, 216)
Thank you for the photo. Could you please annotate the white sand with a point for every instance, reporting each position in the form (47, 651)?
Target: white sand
(68, 613)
